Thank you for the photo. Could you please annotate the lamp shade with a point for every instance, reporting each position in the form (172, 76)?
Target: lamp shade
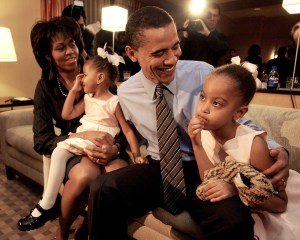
(7, 49)
(114, 18)
(291, 6)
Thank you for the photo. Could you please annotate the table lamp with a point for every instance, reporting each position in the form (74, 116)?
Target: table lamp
(114, 19)
(7, 49)
(291, 6)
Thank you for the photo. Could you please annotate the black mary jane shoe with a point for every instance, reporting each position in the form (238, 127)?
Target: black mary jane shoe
(30, 222)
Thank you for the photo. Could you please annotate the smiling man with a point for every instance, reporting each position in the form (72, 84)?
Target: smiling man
(137, 189)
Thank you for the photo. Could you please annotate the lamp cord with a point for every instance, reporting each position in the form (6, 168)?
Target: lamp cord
(296, 58)
(294, 70)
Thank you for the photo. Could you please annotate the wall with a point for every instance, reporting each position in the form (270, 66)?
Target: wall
(277, 100)
(19, 78)
(269, 33)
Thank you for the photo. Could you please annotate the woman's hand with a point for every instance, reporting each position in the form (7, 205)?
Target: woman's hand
(279, 171)
(97, 137)
(101, 153)
(104, 149)
(219, 190)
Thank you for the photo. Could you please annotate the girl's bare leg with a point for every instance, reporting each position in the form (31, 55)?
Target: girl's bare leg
(75, 194)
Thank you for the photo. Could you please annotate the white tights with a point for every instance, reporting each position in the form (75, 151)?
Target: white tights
(57, 172)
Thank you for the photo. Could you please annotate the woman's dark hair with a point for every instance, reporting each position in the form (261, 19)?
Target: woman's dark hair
(42, 33)
(102, 64)
(145, 18)
(244, 83)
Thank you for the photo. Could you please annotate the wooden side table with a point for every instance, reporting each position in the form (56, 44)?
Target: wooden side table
(6, 102)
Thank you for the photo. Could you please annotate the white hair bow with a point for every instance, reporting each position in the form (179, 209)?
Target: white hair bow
(114, 59)
(249, 66)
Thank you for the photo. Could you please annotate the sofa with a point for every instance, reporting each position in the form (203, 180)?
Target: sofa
(19, 158)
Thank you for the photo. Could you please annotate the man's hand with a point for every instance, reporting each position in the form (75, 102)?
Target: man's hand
(279, 171)
(185, 26)
(204, 30)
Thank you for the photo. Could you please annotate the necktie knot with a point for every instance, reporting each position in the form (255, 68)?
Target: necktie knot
(159, 90)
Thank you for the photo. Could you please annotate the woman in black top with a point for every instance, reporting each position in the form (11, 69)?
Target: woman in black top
(57, 46)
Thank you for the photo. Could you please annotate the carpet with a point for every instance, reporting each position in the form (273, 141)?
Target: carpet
(17, 197)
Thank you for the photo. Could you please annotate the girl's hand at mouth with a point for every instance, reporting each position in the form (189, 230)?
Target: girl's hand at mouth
(194, 129)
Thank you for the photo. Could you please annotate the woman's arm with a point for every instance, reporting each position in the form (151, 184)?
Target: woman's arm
(71, 110)
(261, 160)
(45, 138)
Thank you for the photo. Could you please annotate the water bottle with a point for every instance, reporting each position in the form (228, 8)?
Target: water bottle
(273, 78)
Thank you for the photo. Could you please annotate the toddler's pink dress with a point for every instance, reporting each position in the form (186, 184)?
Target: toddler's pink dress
(99, 116)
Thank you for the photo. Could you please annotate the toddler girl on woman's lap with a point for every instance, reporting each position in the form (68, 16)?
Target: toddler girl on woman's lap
(102, 113)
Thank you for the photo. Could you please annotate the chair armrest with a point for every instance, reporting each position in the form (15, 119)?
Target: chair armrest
(13, 118)
(9, 119)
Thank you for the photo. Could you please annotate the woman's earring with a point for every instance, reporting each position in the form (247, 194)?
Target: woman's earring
(233, 120)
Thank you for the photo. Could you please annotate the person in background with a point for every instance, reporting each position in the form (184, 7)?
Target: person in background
(94, 27)
(153, 41)
(230, 54)
(202, 41)
(294, 34)
(57, 46)
(102, 37)
(132, 67)
(254, 57)
(87, 35)
(283, 64)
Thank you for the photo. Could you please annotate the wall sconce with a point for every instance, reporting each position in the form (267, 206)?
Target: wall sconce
(114, 19)
(7, 49)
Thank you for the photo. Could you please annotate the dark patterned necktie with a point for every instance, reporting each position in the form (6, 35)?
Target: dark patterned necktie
(170, 154)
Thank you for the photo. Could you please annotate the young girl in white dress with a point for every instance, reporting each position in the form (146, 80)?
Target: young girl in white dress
(216, 135)
(102, 113)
